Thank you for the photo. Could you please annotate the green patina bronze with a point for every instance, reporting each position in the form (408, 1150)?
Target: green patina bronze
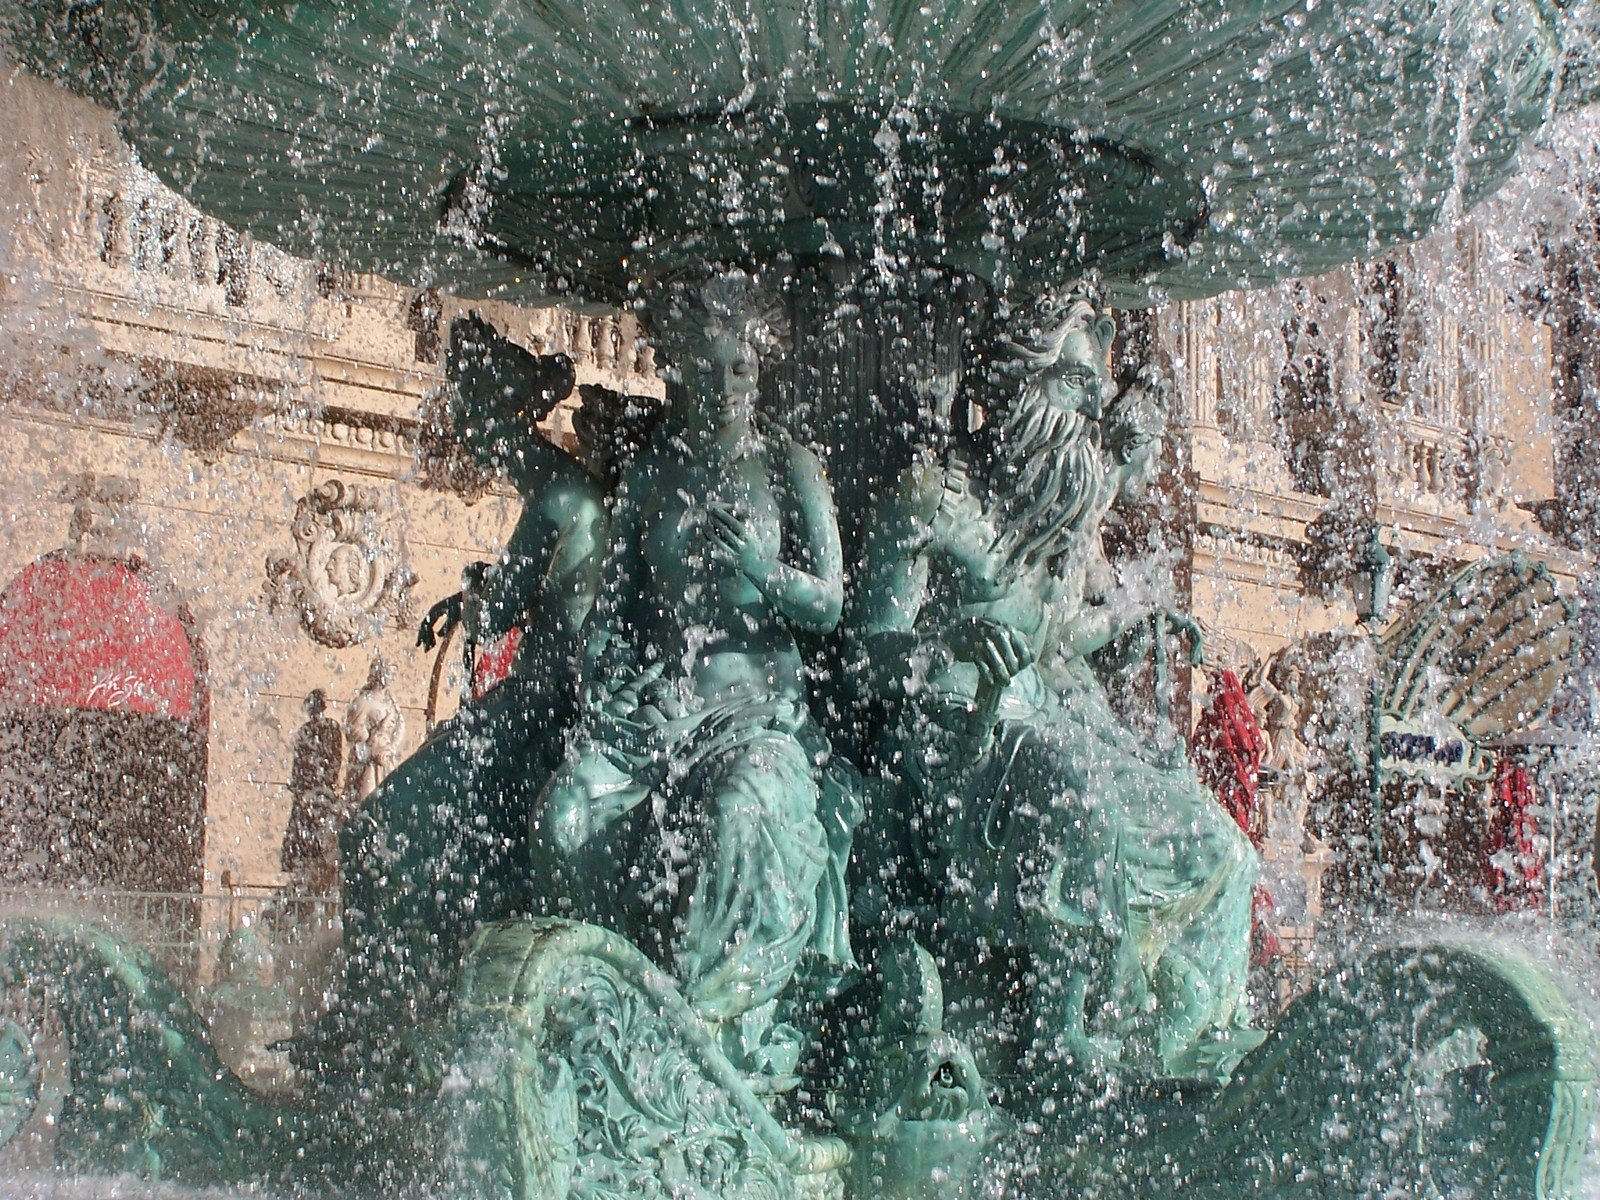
(581, 147)
(442, 845)
(725, 546)
(1052, 836)
(803, 854)
(616, 962)
(578, 1069)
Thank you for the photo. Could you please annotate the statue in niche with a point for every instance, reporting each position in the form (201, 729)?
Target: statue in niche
(1228, 749)
(1049, 829)
(1276, 685)
(698, 807)
(374, 728)
(1293, 858)
(310, 853)
(443, 842)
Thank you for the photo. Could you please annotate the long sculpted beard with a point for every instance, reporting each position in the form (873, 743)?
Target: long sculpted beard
(1047, 477)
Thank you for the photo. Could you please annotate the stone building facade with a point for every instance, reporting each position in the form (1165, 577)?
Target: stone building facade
(1416, 399)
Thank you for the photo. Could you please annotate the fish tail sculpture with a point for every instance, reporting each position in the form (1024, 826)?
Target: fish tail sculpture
(1439, 1068)
(147, 1093)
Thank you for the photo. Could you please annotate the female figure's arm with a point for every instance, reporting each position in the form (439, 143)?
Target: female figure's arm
(809, 591)
(572, 577)
(610, 652)
(893, 586)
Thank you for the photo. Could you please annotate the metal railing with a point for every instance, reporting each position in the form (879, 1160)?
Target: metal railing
(183, 931)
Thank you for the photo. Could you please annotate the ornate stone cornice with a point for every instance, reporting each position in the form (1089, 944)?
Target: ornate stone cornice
(351, 430)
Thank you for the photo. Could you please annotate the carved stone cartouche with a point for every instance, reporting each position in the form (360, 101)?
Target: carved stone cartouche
(350, 572)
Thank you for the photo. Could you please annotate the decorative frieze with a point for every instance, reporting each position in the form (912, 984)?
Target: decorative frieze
(352, 431)
(1224, 545)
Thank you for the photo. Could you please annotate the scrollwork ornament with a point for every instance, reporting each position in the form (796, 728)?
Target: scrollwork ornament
(641, 1100)
(19, 1079)
(637, 1102)
(349, 572)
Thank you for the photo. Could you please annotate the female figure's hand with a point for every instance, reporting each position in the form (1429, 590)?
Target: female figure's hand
(619, 697)
(1179, 622)
(998, 651)
(731, 537)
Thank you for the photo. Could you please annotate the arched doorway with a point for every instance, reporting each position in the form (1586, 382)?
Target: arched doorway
(103, 717)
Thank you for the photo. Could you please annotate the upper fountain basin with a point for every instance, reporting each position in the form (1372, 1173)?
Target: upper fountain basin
(531, 148)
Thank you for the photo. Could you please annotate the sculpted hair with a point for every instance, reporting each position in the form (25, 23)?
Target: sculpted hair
(1047, 467)
(1134, 421)
(731, 301)
(1033, 341)
(612, 427)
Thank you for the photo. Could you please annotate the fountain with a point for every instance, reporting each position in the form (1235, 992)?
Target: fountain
(802, 854)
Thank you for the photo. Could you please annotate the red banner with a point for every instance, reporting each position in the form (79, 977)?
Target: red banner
(79, 631)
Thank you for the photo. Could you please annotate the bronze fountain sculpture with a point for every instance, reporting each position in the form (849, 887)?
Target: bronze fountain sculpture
(802, 854)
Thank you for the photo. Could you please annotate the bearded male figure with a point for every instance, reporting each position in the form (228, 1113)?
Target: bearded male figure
(1055, 838)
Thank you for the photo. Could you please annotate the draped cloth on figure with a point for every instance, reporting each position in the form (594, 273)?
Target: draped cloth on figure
(1513, 869)
(1228, 749)
(750, 849)
(1069, 831)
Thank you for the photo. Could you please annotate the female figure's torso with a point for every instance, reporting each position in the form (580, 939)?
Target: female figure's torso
(707, 614)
